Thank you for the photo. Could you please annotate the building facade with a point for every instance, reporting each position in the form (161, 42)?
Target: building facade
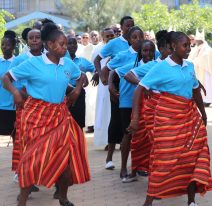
(22, 7)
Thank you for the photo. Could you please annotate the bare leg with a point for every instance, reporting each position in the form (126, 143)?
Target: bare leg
(125, 149)
(64, 181)
(191, 192)
(24, 193)
(111, 149)
(148, 201)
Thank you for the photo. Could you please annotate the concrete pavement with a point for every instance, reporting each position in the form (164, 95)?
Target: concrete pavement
(105, 188)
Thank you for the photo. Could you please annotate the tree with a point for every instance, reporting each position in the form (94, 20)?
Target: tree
(3, 15)
(152, 16)
(155, 16)
(191, 17)
(97, 14)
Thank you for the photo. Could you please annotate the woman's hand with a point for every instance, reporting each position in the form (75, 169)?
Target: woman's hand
(133, 127)
(114, 94)
(84, 80)
(18, 100)
(103, 79)
(95, 79)
(72, 97)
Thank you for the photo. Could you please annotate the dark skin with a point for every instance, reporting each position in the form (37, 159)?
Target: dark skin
(106, 36)
(147, 54)
(181, 50)
(56, 50)
(127, 24)
(164, 51)
(72, 48)
(34, 42)
(7, 48)
(134, 39)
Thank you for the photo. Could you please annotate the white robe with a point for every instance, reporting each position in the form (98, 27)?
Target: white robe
(103, 107)
(201, 56)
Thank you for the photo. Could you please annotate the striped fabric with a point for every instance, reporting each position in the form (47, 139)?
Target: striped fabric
(16, 145)
(50, 141)
(180, 149)
(149, 115)
(140, 147)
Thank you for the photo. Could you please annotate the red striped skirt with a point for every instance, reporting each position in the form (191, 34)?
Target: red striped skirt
(140, 146)
(16, 145)
(180, 149)
(50, 140)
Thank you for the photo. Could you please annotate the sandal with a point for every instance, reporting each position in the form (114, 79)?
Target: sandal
(66, 203)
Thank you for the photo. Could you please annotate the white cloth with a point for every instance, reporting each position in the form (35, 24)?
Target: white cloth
(201, 56)
(103, 107)
(90, 91)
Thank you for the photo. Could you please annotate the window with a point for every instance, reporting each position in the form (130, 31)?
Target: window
(23, 5)
(7, 5)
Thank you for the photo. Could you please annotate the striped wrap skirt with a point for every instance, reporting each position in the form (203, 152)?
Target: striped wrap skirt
(140, 145)
(180, 153)
(49, 142)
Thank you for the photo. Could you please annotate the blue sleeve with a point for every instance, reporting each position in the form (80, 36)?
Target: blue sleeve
(196, 82)
(155, 77)
(142, 70)
(106, 50)
(74, 70)
(115, 62)
(15, 62)
(87, 66)
(122, 71)
(22, 71)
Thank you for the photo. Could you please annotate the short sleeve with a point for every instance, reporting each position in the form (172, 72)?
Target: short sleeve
(75, 71)
(106, 50)
(88, 66)
(122, 71)
(22, 71)
(196, 82)
(115, 62)
(142, 70)
(153, 78)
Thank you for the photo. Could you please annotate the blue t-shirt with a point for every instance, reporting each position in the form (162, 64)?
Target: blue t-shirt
(125, 57)
(126, 89)
(45, 80)
(113, 47)
(143, 69)
(18, 60)
(84, 66)
(167, 76)
(6, 98)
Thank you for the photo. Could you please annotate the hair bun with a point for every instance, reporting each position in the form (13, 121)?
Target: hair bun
(161, 35)
(25, 33)
(47, 29)
(10, 33)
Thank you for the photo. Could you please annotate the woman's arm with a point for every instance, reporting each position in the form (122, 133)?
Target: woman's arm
(137, 101)
(130, 77)
(7, 82)
(75, 92)
(113, 92)
(199, 102)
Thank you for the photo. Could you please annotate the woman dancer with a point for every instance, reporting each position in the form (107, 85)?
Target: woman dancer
(181, 159)
(147, 49)
(53, 146)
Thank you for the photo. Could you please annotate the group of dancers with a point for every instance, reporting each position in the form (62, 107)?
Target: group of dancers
(155, 103)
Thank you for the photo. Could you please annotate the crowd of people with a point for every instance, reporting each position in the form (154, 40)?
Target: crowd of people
(126, 86)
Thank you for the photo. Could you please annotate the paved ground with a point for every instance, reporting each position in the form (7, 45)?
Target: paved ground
(105, 188)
